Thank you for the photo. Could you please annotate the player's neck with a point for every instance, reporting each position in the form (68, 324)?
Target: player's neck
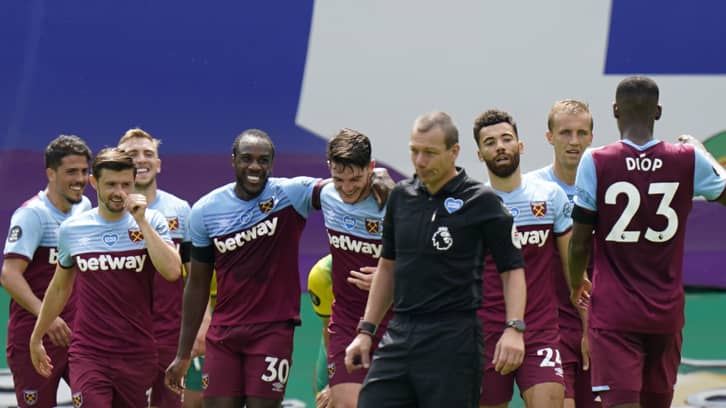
(148, 191)
(564, 174)
(637, 133)
(57, 200)
(110, 216)
(506, 184)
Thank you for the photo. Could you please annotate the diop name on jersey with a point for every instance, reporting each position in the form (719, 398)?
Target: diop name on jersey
(265, 228)
(109, 262)
(347, 243)
(534, 237)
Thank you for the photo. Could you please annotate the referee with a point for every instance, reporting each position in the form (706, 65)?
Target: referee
(437, 229)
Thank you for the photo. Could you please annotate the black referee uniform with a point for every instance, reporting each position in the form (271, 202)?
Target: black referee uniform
(431, 353)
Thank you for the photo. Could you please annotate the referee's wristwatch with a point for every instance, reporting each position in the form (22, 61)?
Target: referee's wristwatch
(516, 324)
(366, 328)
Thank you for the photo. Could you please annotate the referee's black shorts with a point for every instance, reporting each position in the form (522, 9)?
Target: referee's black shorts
(426, 361)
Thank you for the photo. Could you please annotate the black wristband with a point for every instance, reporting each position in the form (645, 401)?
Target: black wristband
(366, 328)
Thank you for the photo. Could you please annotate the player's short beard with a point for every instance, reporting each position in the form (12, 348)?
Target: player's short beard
(504, 171)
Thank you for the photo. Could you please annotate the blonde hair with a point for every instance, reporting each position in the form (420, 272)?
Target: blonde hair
(140, 133)
(570, 107)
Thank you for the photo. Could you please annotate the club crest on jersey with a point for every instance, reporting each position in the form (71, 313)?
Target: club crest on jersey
(15, 233)
(30, 397)
(539, 208)
(348, 222)
(267, 205)
(109, 239)
(442, 239)
(135, 235)
(173, 223)
(331, 370)
(77, 400)
(373, 226)
(453, 205)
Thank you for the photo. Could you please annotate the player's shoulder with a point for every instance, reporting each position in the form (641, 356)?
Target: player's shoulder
(171, 199)
(546, 187)
(543, 173)
(215, 197)
(81, 219)
(285, 183)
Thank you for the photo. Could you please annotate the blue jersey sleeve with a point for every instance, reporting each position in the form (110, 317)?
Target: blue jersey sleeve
(158, 221)
(586, 183)
(706, 180)
(197, 229)
(25, 234)
(65, 259)
(563, 211)
(184, 214)
(300, 192)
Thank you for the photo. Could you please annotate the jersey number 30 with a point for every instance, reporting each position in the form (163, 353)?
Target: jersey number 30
(619, 233)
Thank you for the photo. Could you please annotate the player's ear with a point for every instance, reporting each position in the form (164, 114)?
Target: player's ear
(372, 165)
(478, 154)
(615, 110)
(50, 174)
(521, 146)
(159, 166)
(658, 112)
(548, 135)
(93, 181)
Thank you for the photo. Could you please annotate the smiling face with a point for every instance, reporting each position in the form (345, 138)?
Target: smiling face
(146, 159)
(67, 182)
(352, 183)
(112, 188)
(252, 163)
(499, 148)
(571, 134)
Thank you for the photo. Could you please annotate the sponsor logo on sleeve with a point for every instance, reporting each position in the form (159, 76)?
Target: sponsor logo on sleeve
(331, 370)
(205, 381)
(15, 233)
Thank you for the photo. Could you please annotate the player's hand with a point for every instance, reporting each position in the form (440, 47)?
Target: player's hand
(690, 140)
(363, 278)
(358, 353)
(509, 351)
(136, 205)
(585, 350)
(580, 297)
(59, 333)
(381, 185)
(323, 398)
(41, 360)
(175, 374)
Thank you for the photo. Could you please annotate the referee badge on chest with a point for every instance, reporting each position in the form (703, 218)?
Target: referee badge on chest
(442, 239)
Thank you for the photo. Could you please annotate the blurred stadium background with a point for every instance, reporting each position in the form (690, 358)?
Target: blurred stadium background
(197, 74)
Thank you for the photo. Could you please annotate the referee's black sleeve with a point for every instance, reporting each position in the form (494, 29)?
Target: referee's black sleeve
(500, 240)
(389, 236)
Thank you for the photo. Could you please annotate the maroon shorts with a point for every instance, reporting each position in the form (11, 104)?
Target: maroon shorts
(161, 396)
(249, 360)
(32, 389)
(577, 380)
(111, 381)
(339, 337)
(541, 364)
(650, 361)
